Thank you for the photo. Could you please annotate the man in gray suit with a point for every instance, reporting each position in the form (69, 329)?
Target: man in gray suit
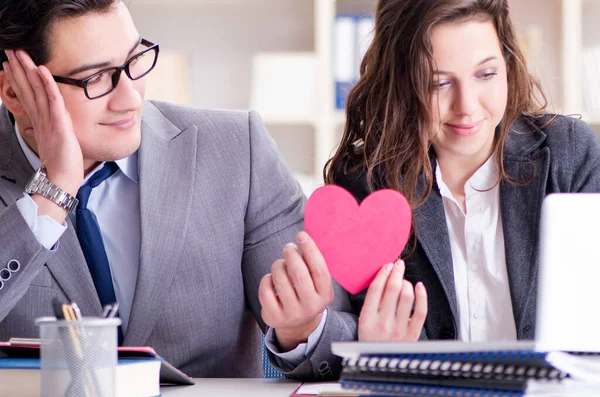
(181, 211)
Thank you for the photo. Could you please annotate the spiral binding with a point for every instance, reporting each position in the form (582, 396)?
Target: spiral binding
(510, 366)
(399, 389)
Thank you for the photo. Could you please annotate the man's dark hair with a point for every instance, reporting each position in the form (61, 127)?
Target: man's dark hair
(26, 24)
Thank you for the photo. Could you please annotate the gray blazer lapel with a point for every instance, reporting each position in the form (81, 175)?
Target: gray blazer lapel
(433, 237)
(167, 167)
(521, 254)
(69, 268)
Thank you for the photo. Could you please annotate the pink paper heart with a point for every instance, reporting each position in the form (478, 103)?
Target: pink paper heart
(356, 241)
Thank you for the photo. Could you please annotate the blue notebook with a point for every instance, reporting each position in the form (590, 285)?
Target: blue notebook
(384, 389)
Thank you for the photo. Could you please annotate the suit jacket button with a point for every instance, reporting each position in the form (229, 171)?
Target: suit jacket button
(5, 274)
(13, 266)
(1, 285)
(324, 368)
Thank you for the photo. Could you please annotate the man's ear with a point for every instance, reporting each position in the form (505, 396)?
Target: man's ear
(9, 97)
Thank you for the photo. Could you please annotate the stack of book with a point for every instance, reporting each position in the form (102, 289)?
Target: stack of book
(139, 372)
(461, 369)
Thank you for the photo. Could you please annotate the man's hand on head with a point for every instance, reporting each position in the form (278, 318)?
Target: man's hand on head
(56, 143)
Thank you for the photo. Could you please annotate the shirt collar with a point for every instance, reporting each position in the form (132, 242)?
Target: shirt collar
(128, 165)
(444, 191)
(485, 178)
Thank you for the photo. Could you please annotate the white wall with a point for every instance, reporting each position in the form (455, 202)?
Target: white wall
(221, 36)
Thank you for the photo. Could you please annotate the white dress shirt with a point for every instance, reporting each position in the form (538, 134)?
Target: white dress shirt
(477, 245)
(116, 205)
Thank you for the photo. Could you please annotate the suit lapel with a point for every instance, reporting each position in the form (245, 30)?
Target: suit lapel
(167, 165)
(432, 233)
(521, 228)
(69, 268)
(67, 265)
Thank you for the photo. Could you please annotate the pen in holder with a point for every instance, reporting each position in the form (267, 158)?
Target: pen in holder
(79, 357)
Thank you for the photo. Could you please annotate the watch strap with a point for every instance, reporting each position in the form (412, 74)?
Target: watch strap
(40, 184)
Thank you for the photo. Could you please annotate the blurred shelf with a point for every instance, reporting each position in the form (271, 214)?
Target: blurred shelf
(287, 120)
(214, 34)
(338, 118)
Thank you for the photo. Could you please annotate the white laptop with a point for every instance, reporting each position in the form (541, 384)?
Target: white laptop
(568, 312)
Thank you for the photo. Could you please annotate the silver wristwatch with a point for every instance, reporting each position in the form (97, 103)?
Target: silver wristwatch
(39, 184)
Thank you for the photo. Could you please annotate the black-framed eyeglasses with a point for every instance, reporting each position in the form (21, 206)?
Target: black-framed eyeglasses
(105, 81)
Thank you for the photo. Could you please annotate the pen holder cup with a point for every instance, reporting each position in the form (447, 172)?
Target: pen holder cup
(79, 358)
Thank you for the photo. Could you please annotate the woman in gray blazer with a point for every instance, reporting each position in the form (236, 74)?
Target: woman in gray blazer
(446, 112)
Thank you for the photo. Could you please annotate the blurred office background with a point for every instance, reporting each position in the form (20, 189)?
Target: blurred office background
(284, 57)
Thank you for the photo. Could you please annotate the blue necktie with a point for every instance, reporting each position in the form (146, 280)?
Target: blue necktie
(90, 238)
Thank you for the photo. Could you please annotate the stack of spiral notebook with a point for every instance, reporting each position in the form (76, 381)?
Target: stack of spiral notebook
(461, 369)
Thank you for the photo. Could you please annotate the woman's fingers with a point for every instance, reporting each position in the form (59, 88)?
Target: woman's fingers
(388, 313)
(375, 291)
(419, 315)
(393, 289)
(405, 303)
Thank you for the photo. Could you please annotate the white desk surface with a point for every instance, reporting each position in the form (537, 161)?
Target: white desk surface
(255, 387)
